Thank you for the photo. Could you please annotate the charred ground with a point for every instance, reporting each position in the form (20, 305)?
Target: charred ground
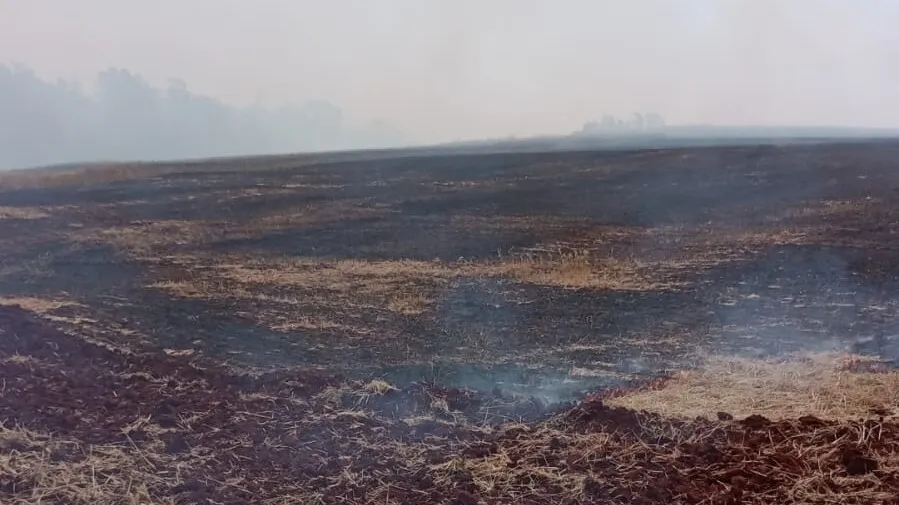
(370, 289)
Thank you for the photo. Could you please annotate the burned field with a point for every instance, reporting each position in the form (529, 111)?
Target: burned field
(703, 325)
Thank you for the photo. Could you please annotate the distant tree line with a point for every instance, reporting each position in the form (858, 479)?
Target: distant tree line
(637, 123)
(126, 118)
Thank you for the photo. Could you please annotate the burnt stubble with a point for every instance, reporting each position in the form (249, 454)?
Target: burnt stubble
(444, 328)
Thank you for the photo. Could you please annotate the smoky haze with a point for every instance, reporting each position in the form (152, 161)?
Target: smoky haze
(126, 118)
(444, 71)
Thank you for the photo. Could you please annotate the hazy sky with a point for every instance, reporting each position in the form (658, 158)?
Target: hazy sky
(442, 70)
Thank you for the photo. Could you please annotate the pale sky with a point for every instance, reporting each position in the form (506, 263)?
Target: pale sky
(444, 70)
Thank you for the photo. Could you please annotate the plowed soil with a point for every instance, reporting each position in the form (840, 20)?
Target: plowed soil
(211, 436)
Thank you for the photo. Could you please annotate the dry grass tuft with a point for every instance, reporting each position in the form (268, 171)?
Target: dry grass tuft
(825, 208)
(579, 270)
(410, 304)
(39, 305)
(183, 289)
(20, 359)
(22, 213)
(150, 239)
(81, 175)
(828, 386)
(500, 475)
(296, 291)
(36, 469)
(400, 286)
(145, 239)
(291, 323)
(372, 276)
(378, 387)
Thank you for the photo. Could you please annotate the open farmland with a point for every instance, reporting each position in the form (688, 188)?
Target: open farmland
(693, 325)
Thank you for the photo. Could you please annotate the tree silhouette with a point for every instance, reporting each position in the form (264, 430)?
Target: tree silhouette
(126, 118)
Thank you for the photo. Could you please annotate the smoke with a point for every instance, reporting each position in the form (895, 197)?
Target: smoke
(786, 62)
(126, 118)
(772, 298)
(466, 70)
